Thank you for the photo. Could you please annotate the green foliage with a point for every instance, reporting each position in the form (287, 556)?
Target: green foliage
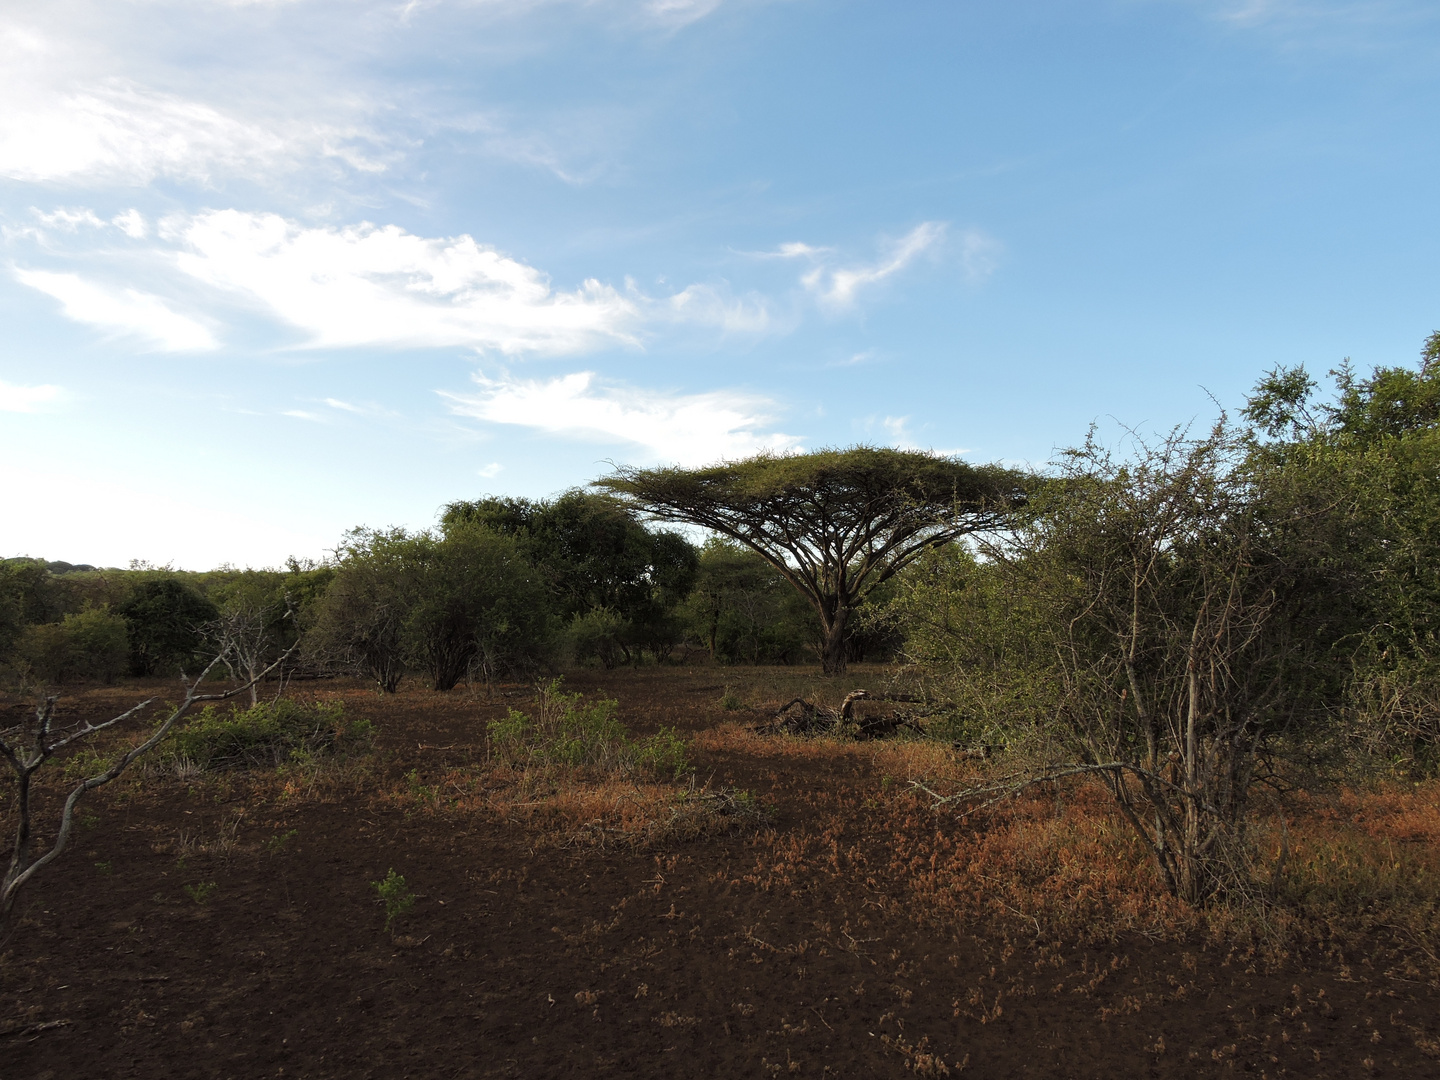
(568, 731)
(267, 735)
(361, 620)
(479, 605)
(596, 557)
(601, 634)
(1162, 621)
(1367, 464)
(395, 896)
(664, 754)
(91, 646)
(167, 622)
(745, 611)
(201, 892)
(280, 841)
(449, 605)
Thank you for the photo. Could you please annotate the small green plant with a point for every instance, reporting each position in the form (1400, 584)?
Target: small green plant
(84, 763)
(395, 895)
(568, 730)
(267, 735)
(663, 754)
(277, 843)
(102, 867)
(730, 701)
(421, 792)
(201, 891)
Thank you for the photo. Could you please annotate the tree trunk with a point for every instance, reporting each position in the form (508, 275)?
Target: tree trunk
(832, 658)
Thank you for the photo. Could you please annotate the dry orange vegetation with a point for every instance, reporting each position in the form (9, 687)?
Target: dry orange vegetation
(576, 922)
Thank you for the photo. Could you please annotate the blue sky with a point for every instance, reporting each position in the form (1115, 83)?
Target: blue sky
(274, 269)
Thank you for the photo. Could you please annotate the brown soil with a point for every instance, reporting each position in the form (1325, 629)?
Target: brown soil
(530, 954)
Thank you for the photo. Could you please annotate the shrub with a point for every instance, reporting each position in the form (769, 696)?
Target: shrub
(87, 646)
(167, 621)
(267, 734)
(567, 730)
(601, 634)
(663, 754)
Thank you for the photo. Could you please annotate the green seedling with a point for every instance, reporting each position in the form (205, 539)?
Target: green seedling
(103, 867)
(277, 843)
(201, 892)
(396, 897)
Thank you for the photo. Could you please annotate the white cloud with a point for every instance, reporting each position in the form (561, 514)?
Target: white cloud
(119, 132)
(837, 288)
(688, 429)
(63, 121)
(132, 224)
(121, 311)
(898, 428)
(301, 414)
(381, 286)
(793, 249)
(26, 399)
(681, 12)
(707, 305)
(489, 471)
(67, 219)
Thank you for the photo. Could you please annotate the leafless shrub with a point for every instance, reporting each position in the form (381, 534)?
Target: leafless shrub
(28, 746)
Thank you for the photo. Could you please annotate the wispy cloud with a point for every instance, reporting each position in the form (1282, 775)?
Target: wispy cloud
(979, 255)
(1346, 25)
(26, 399)
(68, 219)
(369, 285)
(63, 122)
(709, 305)
(793, 249)
(360, 286)
(121, 311)
(680, 12)
(132, 223)
(837, 288)
(869, 356)
(688, 429)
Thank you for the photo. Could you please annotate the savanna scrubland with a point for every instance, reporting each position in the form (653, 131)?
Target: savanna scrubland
(1143, 779)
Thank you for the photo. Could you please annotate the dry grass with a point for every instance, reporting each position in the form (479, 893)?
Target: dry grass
(1062, 864)
(1050, 865)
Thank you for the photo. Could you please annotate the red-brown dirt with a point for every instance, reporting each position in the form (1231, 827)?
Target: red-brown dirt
(817, 945)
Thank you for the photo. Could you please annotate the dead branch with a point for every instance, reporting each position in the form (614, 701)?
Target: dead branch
(26, 751)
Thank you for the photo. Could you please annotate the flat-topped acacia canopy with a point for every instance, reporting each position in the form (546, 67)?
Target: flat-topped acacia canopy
(836, 522)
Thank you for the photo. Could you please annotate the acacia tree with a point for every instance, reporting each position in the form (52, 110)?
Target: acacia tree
(835, 523)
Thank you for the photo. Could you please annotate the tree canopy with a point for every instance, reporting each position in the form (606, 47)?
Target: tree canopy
(836, 523)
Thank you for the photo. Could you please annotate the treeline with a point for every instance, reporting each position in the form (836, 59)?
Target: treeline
(501, 588)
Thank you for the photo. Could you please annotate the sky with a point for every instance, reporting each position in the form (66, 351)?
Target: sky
(272, 269)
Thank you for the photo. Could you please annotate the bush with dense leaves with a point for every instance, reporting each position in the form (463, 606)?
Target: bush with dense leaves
(89, 646)
(268, 735)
